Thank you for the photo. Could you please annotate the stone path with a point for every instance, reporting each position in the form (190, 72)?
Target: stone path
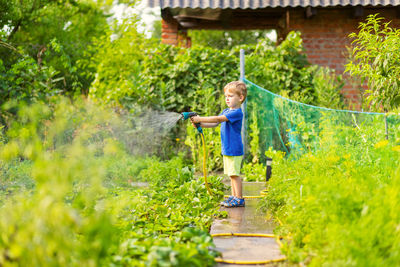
(246, 220)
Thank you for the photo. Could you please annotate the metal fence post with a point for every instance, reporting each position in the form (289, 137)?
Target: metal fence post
(242, 73)
(241, 64)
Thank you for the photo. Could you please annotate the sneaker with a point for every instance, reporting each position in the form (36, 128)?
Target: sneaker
(235, 202)
(226, 201)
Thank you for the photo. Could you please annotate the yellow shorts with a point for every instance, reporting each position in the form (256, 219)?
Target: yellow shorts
(232, 165)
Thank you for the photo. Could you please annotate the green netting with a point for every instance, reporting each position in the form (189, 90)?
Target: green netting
(293, 127)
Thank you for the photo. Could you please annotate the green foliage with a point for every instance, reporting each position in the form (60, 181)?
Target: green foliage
(226, 39)
(172, 173)
(375, 59)
(170, 219)
(26, 81)
(162, 77)
(283, 69)
(254, 136)
(337, 204)
(327, 86)
(32, 25)
(15, 177)
(190, 248)
(188, 79)
(213, 148)
(254, 172)
(156, 31)
(64, 203)
(75, 233)
(117, 65)
(124, 170)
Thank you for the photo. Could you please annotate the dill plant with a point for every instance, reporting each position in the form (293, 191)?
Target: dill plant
(337, 204)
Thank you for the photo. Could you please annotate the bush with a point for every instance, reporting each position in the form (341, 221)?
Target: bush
(26, 81)
(282, 69)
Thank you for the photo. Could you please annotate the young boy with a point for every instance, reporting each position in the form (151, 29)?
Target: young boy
(231, 139)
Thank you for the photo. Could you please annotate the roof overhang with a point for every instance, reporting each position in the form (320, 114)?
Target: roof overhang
(255, 4)
(228, 19)
(250, 14)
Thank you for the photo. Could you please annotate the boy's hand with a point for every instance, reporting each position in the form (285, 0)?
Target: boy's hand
(195, 119)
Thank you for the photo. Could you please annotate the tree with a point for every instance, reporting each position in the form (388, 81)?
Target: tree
(376, 59)
(53, 31)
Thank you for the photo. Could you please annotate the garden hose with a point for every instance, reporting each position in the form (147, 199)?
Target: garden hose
(249, 262)
(205, 165)
(247, 196)
(262, 193)
(244, 234)
(187, 115)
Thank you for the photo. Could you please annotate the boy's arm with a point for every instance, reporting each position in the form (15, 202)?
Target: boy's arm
(209, 124)
(210, 119)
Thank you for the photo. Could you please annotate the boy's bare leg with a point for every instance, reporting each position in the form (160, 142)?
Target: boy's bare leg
(236, 183)
(233, 187)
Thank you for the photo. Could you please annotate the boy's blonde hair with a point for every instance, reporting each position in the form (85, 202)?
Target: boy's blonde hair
(238, 88)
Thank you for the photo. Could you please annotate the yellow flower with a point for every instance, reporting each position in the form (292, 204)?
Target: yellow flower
(333, 159)
(382, 143)
(306, 239)
(177, 139)
(396, 148)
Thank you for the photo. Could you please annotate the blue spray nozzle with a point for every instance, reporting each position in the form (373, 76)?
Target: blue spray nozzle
(187, 115)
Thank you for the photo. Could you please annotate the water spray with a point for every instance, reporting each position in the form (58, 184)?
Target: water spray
(185, 116)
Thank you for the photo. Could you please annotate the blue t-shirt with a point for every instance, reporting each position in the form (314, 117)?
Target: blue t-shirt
(231, 138)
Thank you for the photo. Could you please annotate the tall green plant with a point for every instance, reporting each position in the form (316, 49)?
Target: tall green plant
(376, 60)
(328, 87)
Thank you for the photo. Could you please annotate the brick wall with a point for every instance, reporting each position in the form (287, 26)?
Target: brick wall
(325, 37)
(172, 35)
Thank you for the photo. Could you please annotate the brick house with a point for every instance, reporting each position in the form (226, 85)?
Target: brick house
(324, 24)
